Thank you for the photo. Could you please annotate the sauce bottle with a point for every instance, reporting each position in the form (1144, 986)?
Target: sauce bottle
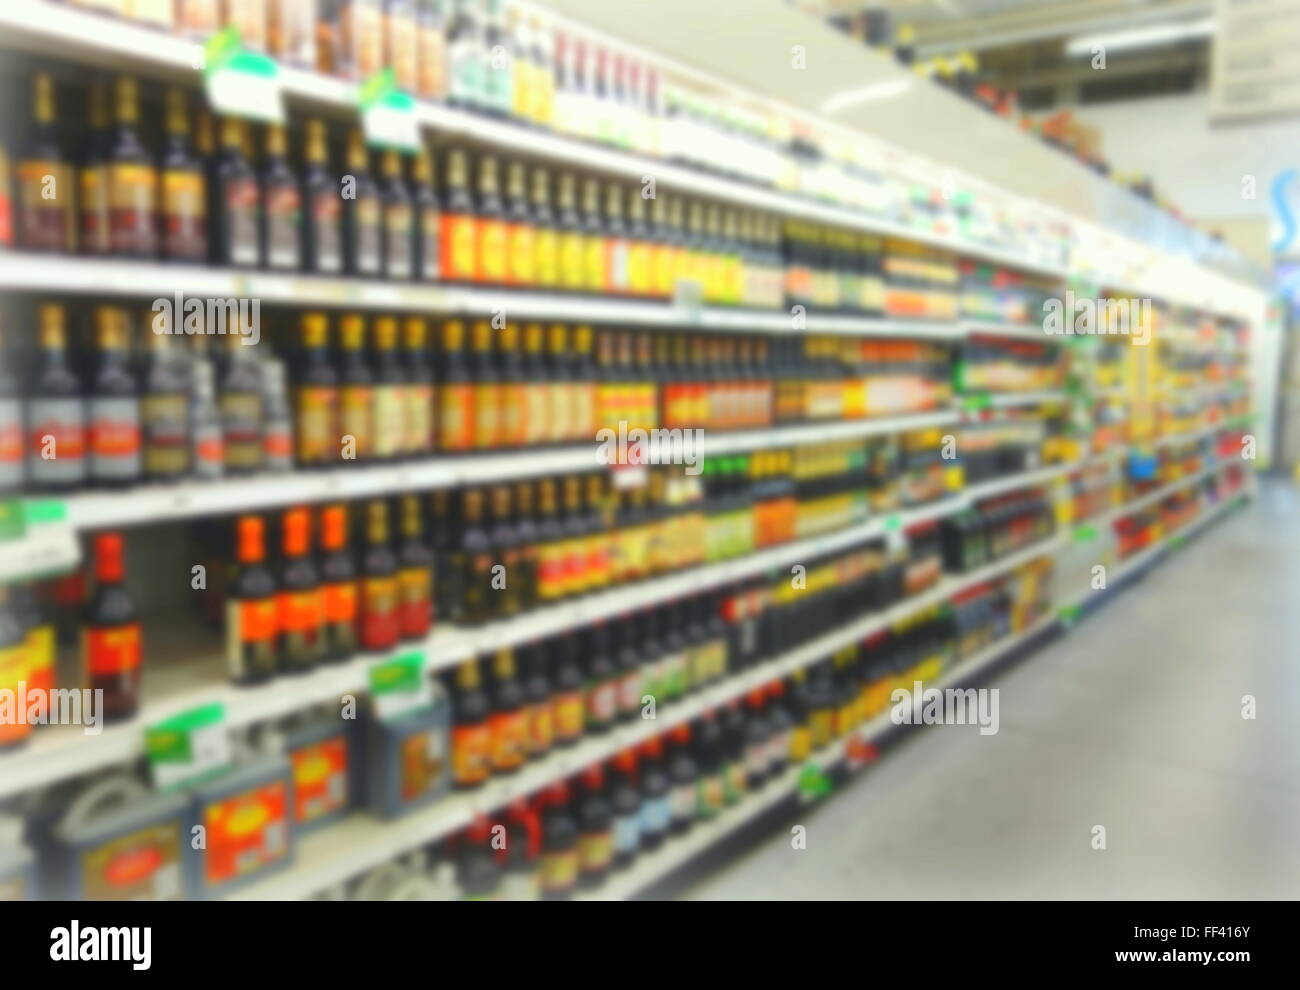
(111, 635)
(560, 851)
(399, 221)
(322, 248)
(13, 471)
(466, 57)
(627, 661)
(380, 624)
(419, 398)
(207, 439)
(277, 419)
(526, 536)
(583, 395)
(252, 609)
(427, 220)
(617, 244)
(509, 719)
(356, 393)
(338, 587)
(487, 388)
(625, 802)
(92, 206)
(114, 405)
(459, 237)
(640, 249)
(363, 235)
(601, 678)
(56, 413)
(242, 409)
(47, 220)
(455, 418)
(656, 796)
(471, 730)
(560, 403)
(551, 547)
(316, 396)
(415, 574)
(389, 429)
(521, 241)
(569, 698)
(300, 605)
(493, 247)
(472, 563)
(164, 412)
(14, 669)
(595, 829)
(512, 422)
(546, 237)
(539, 713)
(235, 213)
(571, 240)
(282, 207)
(536, 387)
(682, 772)
(183, 188)
(506, 600)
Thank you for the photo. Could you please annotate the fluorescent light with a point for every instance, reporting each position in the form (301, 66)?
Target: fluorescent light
(866, 94)
(1141, 37)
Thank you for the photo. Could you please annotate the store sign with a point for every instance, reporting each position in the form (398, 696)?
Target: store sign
(1256, 60)
(188, 747)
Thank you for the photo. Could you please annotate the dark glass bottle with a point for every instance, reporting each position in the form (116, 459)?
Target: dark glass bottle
(569, 695)
(316, 396)
(236, 202)
(509, 719)
(427, 220)
(595, 829)
(380, 626)
(399, 226)
(471, 732)
(111, 637)
(164, 412)
(47, 220)
(183, 188)
(363, 221)
(415, 574)
(56, 412)
(625, 802)
(506, 584)
(113, 406)
(339, 599)
(281, 206)
(560, 853)
(601, 680)
(242, 408)
(302, 643)
(472, 563)
(322, 228)
(252, 613)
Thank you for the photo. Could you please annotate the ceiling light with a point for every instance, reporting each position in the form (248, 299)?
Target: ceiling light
(1141, 37)
(885, 90)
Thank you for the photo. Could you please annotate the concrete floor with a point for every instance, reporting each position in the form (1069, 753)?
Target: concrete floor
(1132, 721)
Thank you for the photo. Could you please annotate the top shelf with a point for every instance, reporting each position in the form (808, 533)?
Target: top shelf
(39, 26)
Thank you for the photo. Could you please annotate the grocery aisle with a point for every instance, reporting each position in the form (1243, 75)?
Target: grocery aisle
(1132, 722)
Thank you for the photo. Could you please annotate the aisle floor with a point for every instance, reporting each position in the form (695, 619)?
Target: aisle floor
(1132, 721)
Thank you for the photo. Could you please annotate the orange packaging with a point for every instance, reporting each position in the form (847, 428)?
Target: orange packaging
(246, 832)
(471, 754)
(458, 240)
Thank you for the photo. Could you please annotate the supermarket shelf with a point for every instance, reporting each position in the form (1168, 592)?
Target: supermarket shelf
(1010, 400)
(360, 842)
(160, 503)
(1193, 435)
(63, 751)
(987, 489)
(1161, 493)
(650, 868)
(1019, 331)
(44, 27)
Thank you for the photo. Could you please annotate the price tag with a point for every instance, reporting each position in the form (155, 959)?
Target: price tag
(1068, 614)
(388, 115)
(1085, 534)
(976, 403)
(689, 298)
(398, 686)
(241, 83)
(189, 746)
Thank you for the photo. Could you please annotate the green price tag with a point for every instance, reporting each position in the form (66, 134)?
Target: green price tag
(388, 117)
(398, 686)
(11, 520)
(893, 523)
(813, 783)
(1085, 533)
(188, 747)
(1069, 614)
(239, 82)
(976, 402)
(44, 511)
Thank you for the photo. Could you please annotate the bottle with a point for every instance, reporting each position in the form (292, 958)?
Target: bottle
(132, 182)
(551, 544)
(182, 189)
(511, 422)
(363, 220)
(539, 711)
(682, 772)
(710, 794)
(379, 622)
(356, 394)
(656, 796)
(322, 231)
(427, 220)
(508, 722)
(242, 409)
(466, 57)
(572, 241)
(47, 220)
(523, 854)
(536, 389)
(316, 397)
(595, 830)
(281, 207)
(338, 587)
(493, 247)
(471, 563)
(92, 206)
(758, 733)
(546, 239)
(521, 242)
(625, 802)
(399, 225)
(236, 202)
(569, 698)
(38, 641)
(414, 575)
(401, 43)
(601, 680)
(252, 609)
(527, 538)
(617, 245)
(506, 555)
(277, 420)
(455, 416)
(164, 412)
(487, 388)
(111, 641)
(389, 429)
(595, 241)
(56, 413)
(207, 437)
(541, 90)
(471, 730)
(582, 416)
(418, 394)
(458, 239)
(431, 57)
(627, 661)
(113, 407)
(498, 71)
(560, 403)
(14, 669)
(560, 851)
(13, 471)
(300, 606)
